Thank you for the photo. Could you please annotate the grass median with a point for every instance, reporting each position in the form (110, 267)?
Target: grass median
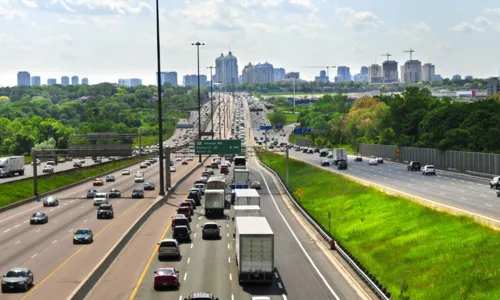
(17, 191)
(414, 251)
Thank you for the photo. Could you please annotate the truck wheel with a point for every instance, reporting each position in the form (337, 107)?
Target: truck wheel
(21, 173)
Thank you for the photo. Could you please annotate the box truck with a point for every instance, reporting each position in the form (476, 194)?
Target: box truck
(214, 203)
(11, 165)
(247, 197)
(254, 245)
(241, 176)
(240, 162)
(246, 211)
(216, 183)
(339, 154)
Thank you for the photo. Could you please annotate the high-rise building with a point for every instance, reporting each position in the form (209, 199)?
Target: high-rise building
(413, 71)
(390, 71)
(279, 74)
(65, 80)
(260, 73)
(226, 69)
(168, 77)
(364, 71)
(75, 80)
(322, 77)
(23, 79)
(468, 77)
(130, 82)
(493, 86)
(85, 81)
(456, 77)
(362, 76)
(51, 81)
(35, 81)
(375, 74)
(428, 72)
(192, 80)
(292, 75)
(343, 74)
(248, 74)
(402, 74)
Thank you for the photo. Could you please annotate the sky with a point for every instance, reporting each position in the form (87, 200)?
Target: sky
(104, 40)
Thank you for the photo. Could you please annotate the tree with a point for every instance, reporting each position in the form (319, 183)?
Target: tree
(277, 118)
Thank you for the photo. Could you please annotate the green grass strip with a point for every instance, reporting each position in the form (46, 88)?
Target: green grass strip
(414, 251)
(17, 191)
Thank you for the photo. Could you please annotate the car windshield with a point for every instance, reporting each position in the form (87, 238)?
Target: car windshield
(82, 231)
(166, 272)
(106, 208)
(182, 209)
(38, 214)
(15, 274)
(181, 229)
(211, 226)
(137, 191)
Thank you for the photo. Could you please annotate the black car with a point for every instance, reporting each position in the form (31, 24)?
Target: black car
(380, 160)
(325, 163)
(180, 219)
(149, 186)
(201, 296)
(110, 178)
(342, 165)
(414, 166)
(210, 229)
(105, 211)
(137, 193)
(182, 233)
(215, 166)
(83, 236)
(114, 193)
(39, 218)
(195, 195)
(17, 279)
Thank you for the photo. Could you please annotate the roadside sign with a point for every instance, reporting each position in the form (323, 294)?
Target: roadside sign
(266, 127)
(299, 192)
(207, 147)
(178, 125)
(279, 127)
(398, 151)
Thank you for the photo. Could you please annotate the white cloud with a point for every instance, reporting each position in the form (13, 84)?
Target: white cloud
(29, 4)
(357, 20)
(483, 21)
(444, 46)
(495, 10)
(122, 7)
(416, 32)
(467, 27)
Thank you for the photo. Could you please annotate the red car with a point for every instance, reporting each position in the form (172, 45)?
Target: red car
(224, 170)
(166, 277)
(358, 158)
(98, 181)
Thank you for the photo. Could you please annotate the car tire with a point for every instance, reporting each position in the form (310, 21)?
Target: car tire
(26, 287)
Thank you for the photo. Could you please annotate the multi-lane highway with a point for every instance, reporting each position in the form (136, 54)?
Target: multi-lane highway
(463, 191)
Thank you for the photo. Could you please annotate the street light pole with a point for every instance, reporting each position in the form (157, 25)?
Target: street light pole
(160, 117)
(198, 44)
(211, 101)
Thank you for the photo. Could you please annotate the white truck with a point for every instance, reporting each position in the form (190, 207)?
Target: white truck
(254, 245)
(241, 176)
(246, 211)
(11, 165)
(339, 154)
(214, 203)
(240, 162)
(247, 197)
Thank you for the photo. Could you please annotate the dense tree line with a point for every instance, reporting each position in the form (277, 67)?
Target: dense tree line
(414, 118)
(32, 115)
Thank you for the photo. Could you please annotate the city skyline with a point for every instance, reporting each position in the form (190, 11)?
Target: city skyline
(340, 33)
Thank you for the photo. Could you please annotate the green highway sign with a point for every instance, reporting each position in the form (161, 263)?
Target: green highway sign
(207, 147)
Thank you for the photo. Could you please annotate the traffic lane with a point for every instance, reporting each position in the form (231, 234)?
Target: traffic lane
(22, 213)
(296, 250)
(77, 261)
(476, 198)
(120, 279)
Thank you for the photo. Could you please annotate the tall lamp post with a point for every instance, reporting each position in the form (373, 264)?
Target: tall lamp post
(198, 44)
(211, 100)
(160, 117)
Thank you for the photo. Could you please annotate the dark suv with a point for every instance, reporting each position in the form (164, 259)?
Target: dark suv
(105, 211)
(414, 166)
(342, 165)
(182, 233)
(201, 296)
(195, 195)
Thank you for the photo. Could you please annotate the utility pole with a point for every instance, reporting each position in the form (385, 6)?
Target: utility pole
(198, 44)
(160, 117)
(211, 101)
(293, 94)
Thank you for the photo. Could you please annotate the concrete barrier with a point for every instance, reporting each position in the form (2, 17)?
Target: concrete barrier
(93, 277)
(31, 199)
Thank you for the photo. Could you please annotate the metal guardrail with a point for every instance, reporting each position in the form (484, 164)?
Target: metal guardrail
(372, 283)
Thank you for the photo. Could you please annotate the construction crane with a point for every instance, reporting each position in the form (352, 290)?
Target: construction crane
(322, 67)
(411, 53)
(387, 55)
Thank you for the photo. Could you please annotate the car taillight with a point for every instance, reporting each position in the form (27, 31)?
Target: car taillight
(218, 230)
(159, 249)
(176, 248)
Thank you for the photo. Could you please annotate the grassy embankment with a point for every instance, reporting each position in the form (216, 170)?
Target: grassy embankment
(16, 191)
(430, 254)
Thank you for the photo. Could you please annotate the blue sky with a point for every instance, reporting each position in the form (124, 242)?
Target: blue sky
(109, 39)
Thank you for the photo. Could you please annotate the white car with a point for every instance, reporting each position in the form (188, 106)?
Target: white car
(126, 172)
(100, 198)
(178, 159)
(373, 162)
(201, 187)
(173, 169)
(429, 170)
(48, 169)
(139, 178)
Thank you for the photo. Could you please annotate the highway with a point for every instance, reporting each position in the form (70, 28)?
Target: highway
(463, 191)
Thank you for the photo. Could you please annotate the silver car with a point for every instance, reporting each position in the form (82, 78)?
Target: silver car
(255, 185)
(50, 201)
(168, 248)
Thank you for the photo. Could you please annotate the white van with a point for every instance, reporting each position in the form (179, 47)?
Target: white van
(100, 198)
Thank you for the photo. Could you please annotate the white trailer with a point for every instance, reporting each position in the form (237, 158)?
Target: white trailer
(214, 203)
(241, 176)
(339, 154)
(247, 197)
(246, 211)
(11, 165)
(254, 245)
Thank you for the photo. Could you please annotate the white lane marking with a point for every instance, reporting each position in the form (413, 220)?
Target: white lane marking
(197, 225)
(192, 246)
(33, 256)
(180, 297)
(53, 209)
(463, 198)
(54, 242)
(462, 191)
(25, 222)
(227, 234)
(185, 276)
(23, 212)
(284, 297)
(16, 226)
(489, 205)
(230, 276)
(227, 225)
(17, 242)
(276, 275)
(199, 218)
(227, 246)
(482, 195)
(232, 297)
(38, 230)
(71, 201)
(189, 259)
(85, 221)
(296, 239)
(55, 221)
(280, 286)
(70, 213)
(194, 235)
(66, 203)
(229, 259)
(70, 230)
